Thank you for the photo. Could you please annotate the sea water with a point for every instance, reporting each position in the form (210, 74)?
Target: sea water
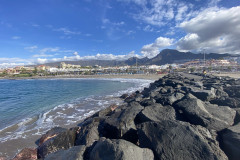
(29, 108)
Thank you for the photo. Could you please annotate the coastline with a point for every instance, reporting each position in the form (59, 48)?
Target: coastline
(30, 142)
(124, 76)
(112, 76)
(171, 110)
(145, 77)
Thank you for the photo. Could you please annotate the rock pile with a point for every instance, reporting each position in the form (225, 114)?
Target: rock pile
(178, 117)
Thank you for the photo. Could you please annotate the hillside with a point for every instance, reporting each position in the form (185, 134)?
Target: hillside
(166, 56)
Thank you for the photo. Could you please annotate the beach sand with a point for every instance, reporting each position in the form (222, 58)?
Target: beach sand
(232, 75)
(126, 76)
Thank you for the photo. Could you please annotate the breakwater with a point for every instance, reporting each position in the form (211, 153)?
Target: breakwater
(179, 116)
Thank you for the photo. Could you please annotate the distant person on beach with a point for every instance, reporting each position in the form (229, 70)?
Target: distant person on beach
(204, 73)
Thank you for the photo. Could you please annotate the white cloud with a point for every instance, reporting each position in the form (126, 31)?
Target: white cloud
(113, 30)
(67, 31)
(106, 21)
(139, 2)
(151, 50)
(16, 37)
(100, 56)
(12, 62)
(47, 50)
(42, 60)
(43, 55)
(213, 3)
(88, 35)
(130, 32)
(181, 12)
(214, 29)
(31, 48)
(157, 12)
(148, 28)
(75, 53)
(35, 25)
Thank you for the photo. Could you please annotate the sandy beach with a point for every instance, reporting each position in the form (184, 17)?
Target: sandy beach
(232, 75)
(126, 76)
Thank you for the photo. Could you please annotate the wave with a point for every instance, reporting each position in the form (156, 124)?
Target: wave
(68, 114)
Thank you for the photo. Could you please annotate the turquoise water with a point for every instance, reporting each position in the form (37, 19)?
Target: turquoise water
(34, 106)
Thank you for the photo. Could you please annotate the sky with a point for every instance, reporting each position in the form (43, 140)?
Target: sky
(41, 31)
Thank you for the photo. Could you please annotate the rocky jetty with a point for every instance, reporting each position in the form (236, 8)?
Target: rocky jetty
(180, 116)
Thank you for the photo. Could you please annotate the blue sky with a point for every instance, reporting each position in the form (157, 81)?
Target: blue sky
(39, 31)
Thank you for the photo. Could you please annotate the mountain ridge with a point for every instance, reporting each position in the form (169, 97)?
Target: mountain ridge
(166, 56)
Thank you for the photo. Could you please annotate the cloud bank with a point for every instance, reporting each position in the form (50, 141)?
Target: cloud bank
(214, 29)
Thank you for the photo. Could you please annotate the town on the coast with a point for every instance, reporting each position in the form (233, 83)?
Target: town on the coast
(65, 68)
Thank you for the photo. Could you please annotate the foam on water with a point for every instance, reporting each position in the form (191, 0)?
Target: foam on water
(71, 112)
(67, 114)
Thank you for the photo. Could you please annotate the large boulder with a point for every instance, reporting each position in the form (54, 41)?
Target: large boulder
(121, 122)
(237, 118)
(168, 99)
(50, 134)
(227, 101)
(63, 140)
(26, 154)
(176, 140)
(205, 114)
(148, 102)
(233, 91)
(74, 153)
(119, 149)
(230, 138)
(106, 111)
(156, 113)
(204, 95)
(88, 133)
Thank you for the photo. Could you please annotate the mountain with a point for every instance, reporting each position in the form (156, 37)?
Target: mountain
(166, 56)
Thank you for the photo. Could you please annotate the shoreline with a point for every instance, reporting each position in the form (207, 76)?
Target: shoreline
(110, 76)
(171, 110)
(22, 142)
(151, 77)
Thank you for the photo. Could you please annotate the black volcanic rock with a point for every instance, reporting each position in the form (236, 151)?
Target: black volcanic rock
(231, 142)
(121, 121)
(180, 116)
(176, 140)
(88, 134)
(205, 114)
(119, 149)
(63, 140)
(74, 153)
(26, 153)
(50, 134)
(156, 113)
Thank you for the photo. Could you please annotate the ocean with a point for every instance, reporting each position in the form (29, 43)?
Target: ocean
(29, 108)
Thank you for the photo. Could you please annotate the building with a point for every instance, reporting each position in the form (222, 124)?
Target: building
(41, 68)
(63, 65)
